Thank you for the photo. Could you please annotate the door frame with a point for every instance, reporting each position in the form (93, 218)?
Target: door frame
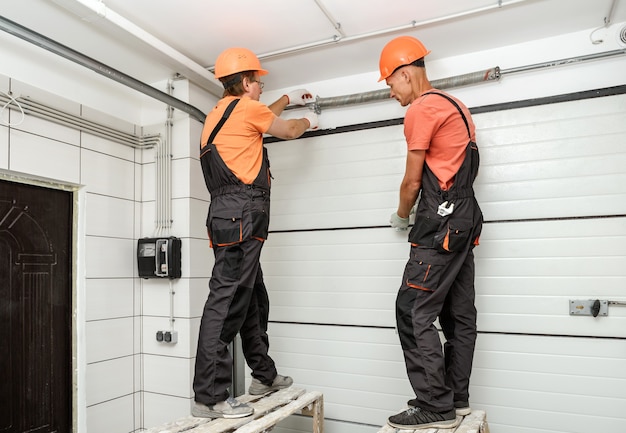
(78, 283)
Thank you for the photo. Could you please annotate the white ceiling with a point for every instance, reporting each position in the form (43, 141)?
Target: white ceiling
(194, 32)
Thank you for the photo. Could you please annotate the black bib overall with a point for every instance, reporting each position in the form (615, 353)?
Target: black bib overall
(438, 282)
(237, 224)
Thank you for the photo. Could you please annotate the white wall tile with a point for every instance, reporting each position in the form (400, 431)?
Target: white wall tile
(106, 146)
(148, 181)
(187, 339)
(44, 157)
(185, 144)
(107, 175)
(109, 298)
(156, 296)
(197, 186)
(4, 143)
(161, 409)
(109, 216)
(191, 294)
(50, 130)
(139, 410)
(181, 169)
(198, 211)
(168, 375)
(108, 380)
(110, 257)
(198, 293)
(108, 339)
(197, 258)
(111, 416)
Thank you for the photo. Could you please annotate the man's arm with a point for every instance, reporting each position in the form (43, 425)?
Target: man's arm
(412, 181)
(288, 129)
(279, 105)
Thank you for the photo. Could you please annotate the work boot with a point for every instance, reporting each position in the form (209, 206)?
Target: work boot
(259, 388)
(229, 408)
(417, 418)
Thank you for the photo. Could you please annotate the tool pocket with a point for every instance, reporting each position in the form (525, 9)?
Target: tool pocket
(225, 227)
(260, 222)
(425, 268)
(424, 230)
(453, 235)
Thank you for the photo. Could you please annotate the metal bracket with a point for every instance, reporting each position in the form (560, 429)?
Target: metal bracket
(588, 307)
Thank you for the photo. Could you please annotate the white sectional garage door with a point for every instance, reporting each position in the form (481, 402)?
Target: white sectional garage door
(552, 186)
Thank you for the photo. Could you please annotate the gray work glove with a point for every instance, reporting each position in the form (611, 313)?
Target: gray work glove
(398, 223)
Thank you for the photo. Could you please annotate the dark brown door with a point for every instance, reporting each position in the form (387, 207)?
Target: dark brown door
(35, 309)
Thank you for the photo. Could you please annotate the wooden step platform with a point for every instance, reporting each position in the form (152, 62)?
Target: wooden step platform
(475, 422)
(268, 411)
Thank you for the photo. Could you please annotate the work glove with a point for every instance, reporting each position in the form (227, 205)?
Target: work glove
(299, 97)
(398, 223)
(312, 118)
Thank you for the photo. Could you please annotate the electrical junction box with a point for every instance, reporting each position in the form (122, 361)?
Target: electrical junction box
(159, 257)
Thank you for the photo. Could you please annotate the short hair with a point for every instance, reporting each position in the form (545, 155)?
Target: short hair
(233, 84)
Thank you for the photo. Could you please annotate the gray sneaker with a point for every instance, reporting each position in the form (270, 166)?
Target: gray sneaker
(280, 382)
(229, 408)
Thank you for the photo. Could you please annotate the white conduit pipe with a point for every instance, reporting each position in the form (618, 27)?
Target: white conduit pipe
(163, 178)
(59, 117)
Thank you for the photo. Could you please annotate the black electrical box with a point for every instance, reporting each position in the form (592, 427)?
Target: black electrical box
(158, 257)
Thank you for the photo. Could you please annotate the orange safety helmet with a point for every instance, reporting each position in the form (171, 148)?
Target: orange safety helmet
(400, 51)
(233, 60)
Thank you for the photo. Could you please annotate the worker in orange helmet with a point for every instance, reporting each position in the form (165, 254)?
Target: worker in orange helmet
(438, 282)
(237, 174)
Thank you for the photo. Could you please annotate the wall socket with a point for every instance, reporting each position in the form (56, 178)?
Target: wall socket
(167, 337)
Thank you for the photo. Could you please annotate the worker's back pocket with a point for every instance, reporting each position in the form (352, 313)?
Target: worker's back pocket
(225, 227)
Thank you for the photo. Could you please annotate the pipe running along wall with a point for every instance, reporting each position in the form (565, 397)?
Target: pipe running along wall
(42, 111)
(377, 95)
(102, 69)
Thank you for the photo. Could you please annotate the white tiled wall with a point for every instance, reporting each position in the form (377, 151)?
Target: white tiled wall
(129, 380)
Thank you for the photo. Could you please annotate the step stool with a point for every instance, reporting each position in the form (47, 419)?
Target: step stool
(475, 422)
(268, 411)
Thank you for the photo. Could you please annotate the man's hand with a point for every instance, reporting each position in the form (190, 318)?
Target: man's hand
(398, 223)
(299, 97)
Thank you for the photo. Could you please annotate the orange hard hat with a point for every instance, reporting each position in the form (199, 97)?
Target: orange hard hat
(400, 51)
(233, 60)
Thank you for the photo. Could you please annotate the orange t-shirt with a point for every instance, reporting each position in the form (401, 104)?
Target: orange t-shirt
(240, 141)
(433, 124)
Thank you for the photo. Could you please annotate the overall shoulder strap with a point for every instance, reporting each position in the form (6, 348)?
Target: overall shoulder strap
(223, 120)
(457, 107)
